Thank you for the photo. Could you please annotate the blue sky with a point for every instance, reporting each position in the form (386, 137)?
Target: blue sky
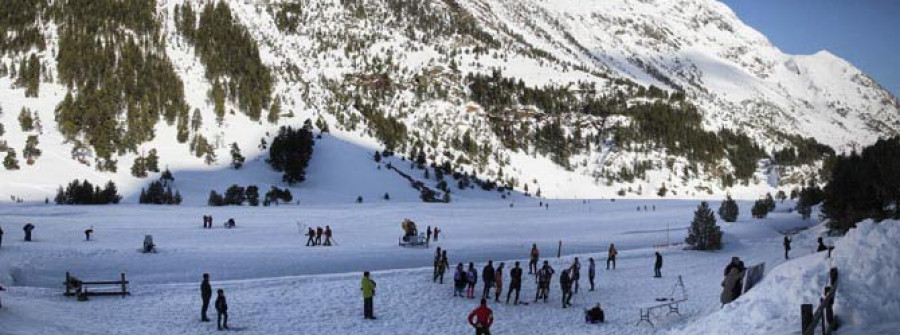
(864, 32)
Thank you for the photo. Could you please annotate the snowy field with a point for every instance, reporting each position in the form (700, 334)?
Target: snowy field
(277, 285)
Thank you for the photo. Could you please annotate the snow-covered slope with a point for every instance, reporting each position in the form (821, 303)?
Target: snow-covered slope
(867, 298)
(736, 78)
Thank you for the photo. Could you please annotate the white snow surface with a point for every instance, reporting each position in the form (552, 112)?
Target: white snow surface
(276, 285)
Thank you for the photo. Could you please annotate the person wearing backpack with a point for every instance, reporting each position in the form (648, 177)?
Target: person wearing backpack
(545, 275)
(368, 291)
(459, 281)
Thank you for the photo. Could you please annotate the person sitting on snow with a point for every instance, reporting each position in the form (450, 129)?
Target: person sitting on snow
(594, 315)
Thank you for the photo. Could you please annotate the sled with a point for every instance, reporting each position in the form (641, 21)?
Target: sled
(412, 241)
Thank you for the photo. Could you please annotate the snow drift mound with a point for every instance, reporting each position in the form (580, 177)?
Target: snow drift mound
(868, 297)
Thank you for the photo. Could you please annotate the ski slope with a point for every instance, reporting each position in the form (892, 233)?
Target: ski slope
(276, 285)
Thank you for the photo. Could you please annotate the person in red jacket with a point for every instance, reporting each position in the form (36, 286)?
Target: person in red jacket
(482, 318)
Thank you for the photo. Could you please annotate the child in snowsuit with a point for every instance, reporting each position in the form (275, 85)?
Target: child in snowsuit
(222, 310)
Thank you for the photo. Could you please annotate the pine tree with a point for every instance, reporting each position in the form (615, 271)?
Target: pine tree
(26, 119)
(704, 234)
(728, 210)
(196, 120)
(252, 194)
(662, 190)
(167, 177)
(178, 199)
(237, 160)
(760, 209)
(31, 151)
(152, 161)
(274, 111)
(769, 202)
(10, 162)
(781, 196)
(139, 167)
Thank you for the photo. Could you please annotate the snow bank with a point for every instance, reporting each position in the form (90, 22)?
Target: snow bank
(868, 292)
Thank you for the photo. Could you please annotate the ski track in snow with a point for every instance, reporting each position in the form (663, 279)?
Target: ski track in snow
(276, 285)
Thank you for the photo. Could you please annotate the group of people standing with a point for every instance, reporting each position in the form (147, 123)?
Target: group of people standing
(315, 236)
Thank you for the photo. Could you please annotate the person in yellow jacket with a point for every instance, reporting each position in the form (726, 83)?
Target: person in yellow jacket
(368, 291)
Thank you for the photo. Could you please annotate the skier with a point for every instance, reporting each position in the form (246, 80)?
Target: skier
(459, 281)
(368, 291)
(515, 283)
(443, 265)
(487, 275)
(436, 232)
(736, 263)
(435, 264)
(728, 286)
(545, 275)
(532, 264)
(658, 266)
(592, 272)
(471, 280)
(565, 284)
(481, 318)
(318, 236)
(327, 236)
(28, 228)
(205, 295)
(787, 246)
(428, 234)
(87, 233)
(612, 256)
(498, 274)
(311, 241)
(222, 310)
(575, 274)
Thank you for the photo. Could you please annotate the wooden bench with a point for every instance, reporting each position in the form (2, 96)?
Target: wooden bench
(110, 287)
(672, 302)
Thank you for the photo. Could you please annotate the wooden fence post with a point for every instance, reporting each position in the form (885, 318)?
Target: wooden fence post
(559, 250)
(124, 288)
(806, 317)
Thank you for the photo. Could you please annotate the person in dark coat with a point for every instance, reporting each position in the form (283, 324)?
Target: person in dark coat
(221, 310)
(592, 272)
(319, 232)
(545, 275)
(487, 276)
(658, 266)
(28, 228)
(87, 233)
(482, 318)
(565, 284)
(594, 315)
(442, 266)
(575, 274)
(787, 246)
(428, 234)
(311, 234)
(515, 283)
(435, 263)
(206, 295)
(327, 236)
(1, 236)
(498, 281)
(737, 289)
(822, 246)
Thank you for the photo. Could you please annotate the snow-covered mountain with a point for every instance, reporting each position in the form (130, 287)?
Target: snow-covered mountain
(402, 74)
